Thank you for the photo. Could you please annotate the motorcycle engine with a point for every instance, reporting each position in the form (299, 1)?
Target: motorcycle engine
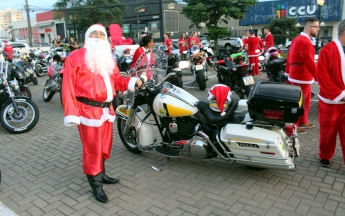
(180, 126)
(197, 148)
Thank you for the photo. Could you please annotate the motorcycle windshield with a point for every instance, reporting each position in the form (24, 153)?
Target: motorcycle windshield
(155, 74)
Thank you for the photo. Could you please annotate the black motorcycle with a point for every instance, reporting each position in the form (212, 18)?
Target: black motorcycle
(18, 114)
(237, 76)
(23, 71)
(275, 70)
(40, 61)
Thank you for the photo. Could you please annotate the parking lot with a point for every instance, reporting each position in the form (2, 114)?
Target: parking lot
(42, 175)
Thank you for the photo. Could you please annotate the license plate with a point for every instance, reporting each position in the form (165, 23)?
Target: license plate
(124, 110)
(199, 67)
(248, 80)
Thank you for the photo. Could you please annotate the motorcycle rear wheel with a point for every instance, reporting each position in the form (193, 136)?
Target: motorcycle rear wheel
(201, 79)
(38, 70)
(130, 140)
(34, 80)
(19, 123)
(47, 93)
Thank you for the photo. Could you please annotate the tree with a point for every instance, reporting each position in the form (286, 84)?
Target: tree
(213, 12)
(283, 28)
(85, 13)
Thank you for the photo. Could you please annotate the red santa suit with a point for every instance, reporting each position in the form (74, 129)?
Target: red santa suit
(167, 42)
(302, 69)
(255, 47)
(331, 78)
(116, 36)
(94, 123)
(269, 41)
(143, 59)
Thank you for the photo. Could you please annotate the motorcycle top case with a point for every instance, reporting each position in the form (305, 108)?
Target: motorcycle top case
(275, 102)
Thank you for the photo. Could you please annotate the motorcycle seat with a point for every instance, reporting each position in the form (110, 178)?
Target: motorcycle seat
(214, 117)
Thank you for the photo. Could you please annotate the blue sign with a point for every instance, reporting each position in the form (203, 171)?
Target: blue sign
(301, 9)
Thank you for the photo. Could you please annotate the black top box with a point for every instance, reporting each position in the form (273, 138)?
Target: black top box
(275, 102)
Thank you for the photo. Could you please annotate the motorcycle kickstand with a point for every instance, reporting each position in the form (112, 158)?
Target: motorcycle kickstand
(158, 169)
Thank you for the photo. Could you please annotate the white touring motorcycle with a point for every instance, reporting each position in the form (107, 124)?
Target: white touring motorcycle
(264, 137)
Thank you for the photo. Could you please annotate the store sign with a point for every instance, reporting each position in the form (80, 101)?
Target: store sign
(125, 29)
(302, 11)
(46, 30)
(140, 9)
(154, 26)
(171, 6)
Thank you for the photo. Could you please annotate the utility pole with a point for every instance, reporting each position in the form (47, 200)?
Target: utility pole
(29, 23)
(136, 10)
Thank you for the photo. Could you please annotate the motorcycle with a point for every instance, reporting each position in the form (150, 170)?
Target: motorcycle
(18, 114)
(209, 55)
(236, 75)
(199, 67)
(124, 62)
(55, 74)
(40, 61)
(265, 137)
(23, 70)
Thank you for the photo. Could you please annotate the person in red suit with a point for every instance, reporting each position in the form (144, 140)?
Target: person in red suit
(302, 67)
(167, 42)
(143, 57)
(90, 80)
(255, 47)
(182, 43)
(331, 79)
(269, 40)
(193, 40)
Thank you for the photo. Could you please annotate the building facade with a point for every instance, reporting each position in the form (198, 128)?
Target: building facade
(332, 12)
(20, 30)
(7, 17)
(49, 28)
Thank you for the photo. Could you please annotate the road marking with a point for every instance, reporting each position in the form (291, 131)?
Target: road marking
(193, 80)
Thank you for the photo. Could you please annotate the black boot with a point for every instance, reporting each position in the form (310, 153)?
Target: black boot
(106, 179)
(96, 185)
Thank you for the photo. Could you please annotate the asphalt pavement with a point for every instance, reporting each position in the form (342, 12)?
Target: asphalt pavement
(42, 175)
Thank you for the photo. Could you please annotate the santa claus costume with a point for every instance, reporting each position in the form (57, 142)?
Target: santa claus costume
(302, 69)
(331, 79)
(88, 89)
(269, 41)
(255, 47)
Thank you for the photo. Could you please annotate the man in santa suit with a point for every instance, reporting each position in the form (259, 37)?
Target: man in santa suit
(269, 40)
(245, 42)
(90, 80)
(302, 67)
(255, 47)
(331, 78)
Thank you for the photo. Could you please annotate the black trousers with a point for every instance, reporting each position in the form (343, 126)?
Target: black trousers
(96, 180)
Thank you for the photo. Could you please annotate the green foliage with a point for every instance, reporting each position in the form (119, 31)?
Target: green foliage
(219, 32)
(84, 13)
(284, 28)
(214, 12)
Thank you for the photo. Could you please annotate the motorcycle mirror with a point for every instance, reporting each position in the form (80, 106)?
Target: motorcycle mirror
(261, 58)
(183, 64)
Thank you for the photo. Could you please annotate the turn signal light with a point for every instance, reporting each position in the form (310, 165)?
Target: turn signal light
(274, 114)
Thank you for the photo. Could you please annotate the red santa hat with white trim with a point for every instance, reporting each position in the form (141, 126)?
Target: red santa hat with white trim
(222, 93)
(95, 27)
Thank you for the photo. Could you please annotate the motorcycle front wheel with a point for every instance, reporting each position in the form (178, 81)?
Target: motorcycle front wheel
(129, 140)
(34, 79)
(23, 91)
(201, 79)
(47, 92)
(38, 70)
(21, 122)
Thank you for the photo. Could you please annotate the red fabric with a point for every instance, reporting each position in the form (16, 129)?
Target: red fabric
(269, 41)
(182, 47)
(255, 46)
(255, 62)
(330, 72)
(145, 60)
(301, 58)
(245, 42)
(306, 98)
(97, 143)
(220, 92)
(193, 41)
(116, 36)
(167, 42)
(332, 121)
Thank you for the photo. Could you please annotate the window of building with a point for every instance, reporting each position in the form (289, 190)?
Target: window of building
(171, 21)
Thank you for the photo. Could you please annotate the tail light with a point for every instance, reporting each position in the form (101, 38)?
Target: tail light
(220, 61)
(274, 114)
(246, 75)
(290, 129)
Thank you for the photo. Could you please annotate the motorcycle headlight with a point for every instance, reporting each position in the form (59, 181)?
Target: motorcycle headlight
(128, 61)
(14, 84)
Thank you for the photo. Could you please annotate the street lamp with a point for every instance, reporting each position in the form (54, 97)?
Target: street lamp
(320, 3)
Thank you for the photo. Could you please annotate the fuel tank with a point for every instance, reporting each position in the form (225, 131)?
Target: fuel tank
(174, 102)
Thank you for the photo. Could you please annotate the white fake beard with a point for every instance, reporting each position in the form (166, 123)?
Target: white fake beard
(98, 57)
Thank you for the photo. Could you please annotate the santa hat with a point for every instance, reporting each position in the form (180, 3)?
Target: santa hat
(95, 27)
(221, 93)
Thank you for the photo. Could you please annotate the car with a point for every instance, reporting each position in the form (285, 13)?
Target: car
(313, 40)
(20, 46)
(223, 42)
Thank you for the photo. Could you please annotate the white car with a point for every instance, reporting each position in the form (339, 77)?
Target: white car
(313, 40)
(20, 46)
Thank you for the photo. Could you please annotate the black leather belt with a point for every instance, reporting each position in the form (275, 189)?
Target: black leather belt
(93, 103)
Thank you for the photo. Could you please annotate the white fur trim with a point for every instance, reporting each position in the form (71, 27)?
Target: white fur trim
(305, 35)
(98, 122)
(223, 114)
(107, 83)
(71, 120)
(286, 74)
(301, 81)
(335, 101)
(95, 27)
(342, 57)
(131, 84)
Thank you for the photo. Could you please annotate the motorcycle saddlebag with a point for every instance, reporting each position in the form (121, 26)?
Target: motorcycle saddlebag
(275, 102)
(275, 65)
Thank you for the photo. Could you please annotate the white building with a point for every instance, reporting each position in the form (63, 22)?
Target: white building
(7, 17)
